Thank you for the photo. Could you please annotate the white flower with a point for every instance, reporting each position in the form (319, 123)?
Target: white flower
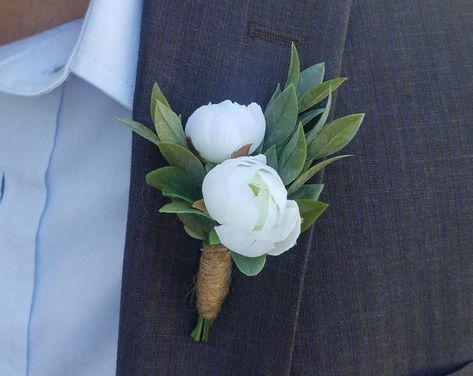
(218, 130)
(249, 200)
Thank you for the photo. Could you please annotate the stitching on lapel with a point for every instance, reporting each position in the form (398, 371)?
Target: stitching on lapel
(270, 34)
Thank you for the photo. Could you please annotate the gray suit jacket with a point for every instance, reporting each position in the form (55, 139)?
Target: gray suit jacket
(383, 284)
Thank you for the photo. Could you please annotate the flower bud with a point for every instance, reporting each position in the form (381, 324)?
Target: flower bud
(218, 130)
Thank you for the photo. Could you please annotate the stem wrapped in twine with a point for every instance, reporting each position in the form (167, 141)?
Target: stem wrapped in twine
(212, 285)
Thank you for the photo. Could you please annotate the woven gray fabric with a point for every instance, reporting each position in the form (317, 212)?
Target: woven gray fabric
(389, 288)
(383, 285)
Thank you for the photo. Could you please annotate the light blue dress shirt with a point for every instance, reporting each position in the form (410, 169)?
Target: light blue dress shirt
(64, 181)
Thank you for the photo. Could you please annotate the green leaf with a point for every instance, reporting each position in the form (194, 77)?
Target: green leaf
(196, 226)
(157, 95)
(281, 117)
(320, 123)
(140, 129)
(209, 166)
(293, 157)
(168, 125)
(179, 156)
(309, 211)
(272, 157)
(310, 78)
(303, 178)
(308, 116)
(197, 222)
(178, 207)
(195, 233)
(171, 175)
(307, 164)
(309, 191)
(174, 183)
(179, 193)
(213, 237)
(276, 93)
(319, 93)
(249, 266)
(335, 136)
(294, 68)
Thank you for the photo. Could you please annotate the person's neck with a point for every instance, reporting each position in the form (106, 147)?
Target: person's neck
(22, 18)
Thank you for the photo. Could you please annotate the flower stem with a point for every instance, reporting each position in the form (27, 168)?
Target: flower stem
(201, 332)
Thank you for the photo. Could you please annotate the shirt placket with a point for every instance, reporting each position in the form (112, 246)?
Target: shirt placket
(27, 135)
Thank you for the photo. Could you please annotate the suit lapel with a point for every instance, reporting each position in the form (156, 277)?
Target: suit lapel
(202, 51)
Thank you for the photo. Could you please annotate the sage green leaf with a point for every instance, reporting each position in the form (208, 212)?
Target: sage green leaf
(197, 222)
(195, 233)
(179, 156)
(335, 136)
(307, 164)
(277, 91)
(213, 237)
(140, 129)
(174, 183)
(310, 78)
(308, 116)
(272, 157)
(179, 193)
(168, 125)
(157, 95)
(309, 211)
(209, 166)
(294, 68)
(308, 191)
(305, 177)
(320, 123)
(293, 157)
(249, 266)
(178, 207)
(170, 175)
(281, 117)
(319, 93)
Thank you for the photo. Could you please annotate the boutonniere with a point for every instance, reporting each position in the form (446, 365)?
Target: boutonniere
(239, 179)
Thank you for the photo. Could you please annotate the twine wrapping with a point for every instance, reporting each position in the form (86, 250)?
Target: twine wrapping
(213, 280)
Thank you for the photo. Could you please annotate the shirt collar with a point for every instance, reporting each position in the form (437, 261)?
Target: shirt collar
(102, 49)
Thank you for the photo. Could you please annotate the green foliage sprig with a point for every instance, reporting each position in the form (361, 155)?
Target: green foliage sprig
(298, 144)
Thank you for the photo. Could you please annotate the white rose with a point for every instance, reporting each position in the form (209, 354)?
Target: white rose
(218, 130)
(249, 200)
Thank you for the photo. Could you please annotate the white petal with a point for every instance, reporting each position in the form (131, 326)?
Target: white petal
(253, 126)
(244, 243)
(262, 202)
(227, 196)
(282, 230)
(267, 208)
(217, 143)
(291, 239)
(271, 216)
(275, 186)
(257, 159)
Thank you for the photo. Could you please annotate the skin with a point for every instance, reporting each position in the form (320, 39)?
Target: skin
(22, 18)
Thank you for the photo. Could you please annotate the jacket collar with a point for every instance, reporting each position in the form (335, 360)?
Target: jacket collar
(102, 49)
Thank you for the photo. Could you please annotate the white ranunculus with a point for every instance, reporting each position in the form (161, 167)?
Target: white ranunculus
(218, 130)
(249, 201)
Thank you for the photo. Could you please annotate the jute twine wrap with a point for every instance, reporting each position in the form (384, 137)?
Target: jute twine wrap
(213, 280)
